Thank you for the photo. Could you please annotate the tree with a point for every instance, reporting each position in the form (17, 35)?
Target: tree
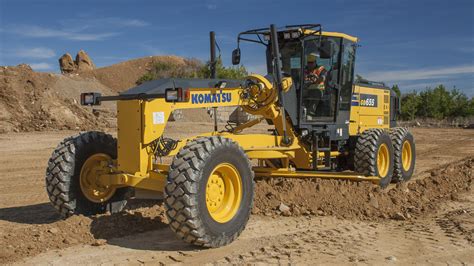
(461, 106)
(434, 103)
(437, 103)
(396, 89)
(410, 103)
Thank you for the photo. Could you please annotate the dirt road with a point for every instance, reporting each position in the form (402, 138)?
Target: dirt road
(437, 230)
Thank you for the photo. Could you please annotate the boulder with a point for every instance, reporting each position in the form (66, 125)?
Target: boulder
(83, 61)
(66, 64)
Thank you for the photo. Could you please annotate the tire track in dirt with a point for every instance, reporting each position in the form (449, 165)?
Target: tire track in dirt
(422, 241)
(24, 213)
(340, 238)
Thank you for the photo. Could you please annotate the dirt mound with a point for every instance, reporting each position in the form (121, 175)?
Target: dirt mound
(75, 230)
(362, 200)
(38, 101)
(124, 75)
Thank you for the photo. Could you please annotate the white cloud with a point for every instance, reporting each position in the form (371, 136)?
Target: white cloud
(421, 74)
(133, 22)
(41, 66)
(211, 6)
(42, 32)
(78, 29)
(37, 52)
(94, 22)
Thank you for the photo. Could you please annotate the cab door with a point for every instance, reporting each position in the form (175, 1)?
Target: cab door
(319, 101)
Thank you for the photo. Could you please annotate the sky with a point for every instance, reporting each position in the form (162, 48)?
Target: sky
(415, 44)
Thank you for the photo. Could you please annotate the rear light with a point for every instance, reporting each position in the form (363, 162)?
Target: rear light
(90, 98)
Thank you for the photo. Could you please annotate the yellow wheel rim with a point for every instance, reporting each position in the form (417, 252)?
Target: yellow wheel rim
(223, 192)
(383, 160)
(91, 187)
(406, 155)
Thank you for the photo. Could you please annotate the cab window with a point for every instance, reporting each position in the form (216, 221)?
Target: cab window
(347, 68)
(320, 78)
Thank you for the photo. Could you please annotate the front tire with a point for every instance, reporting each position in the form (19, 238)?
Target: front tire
(70, 173)
(209, 194)
(374, 155)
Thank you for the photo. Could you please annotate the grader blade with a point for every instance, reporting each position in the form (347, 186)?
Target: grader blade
(263, 173)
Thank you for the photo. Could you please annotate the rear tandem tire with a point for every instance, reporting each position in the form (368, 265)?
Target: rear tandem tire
(404, 154)
(63, 173)
(374, 155)
(202, 170)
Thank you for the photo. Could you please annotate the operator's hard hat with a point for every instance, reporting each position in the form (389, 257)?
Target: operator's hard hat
(311, 58)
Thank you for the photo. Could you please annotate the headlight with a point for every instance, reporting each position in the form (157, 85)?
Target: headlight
(171, 95)
(176, 95)
(295, 34)
(90, 98)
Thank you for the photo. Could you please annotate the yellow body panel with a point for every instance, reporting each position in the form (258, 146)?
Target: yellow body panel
(130, 146)
(156, 112)
(335, 34)
(370, 109)
(141, 123)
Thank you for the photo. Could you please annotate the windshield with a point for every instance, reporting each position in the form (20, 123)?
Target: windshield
(315, 72)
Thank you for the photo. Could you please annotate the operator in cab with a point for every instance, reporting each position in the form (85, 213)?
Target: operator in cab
(315, 80)
(315, 75)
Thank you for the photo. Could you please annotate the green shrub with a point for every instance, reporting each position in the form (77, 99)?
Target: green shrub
(223, 72)
(192, 68)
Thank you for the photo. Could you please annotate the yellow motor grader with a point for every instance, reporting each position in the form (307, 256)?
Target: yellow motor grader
(331, 127)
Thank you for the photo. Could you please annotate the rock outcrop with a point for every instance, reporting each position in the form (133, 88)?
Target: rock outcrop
(82, 63)
(66, 64)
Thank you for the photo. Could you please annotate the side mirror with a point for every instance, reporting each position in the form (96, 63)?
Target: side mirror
(236, 56)
(327, 49)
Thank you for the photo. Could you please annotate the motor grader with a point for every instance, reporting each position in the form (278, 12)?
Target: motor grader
(341, 128)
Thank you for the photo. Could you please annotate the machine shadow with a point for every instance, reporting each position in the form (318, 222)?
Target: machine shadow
(125, 229)
(136, 231)
(42, 213)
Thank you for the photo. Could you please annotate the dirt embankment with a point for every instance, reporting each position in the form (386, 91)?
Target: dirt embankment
(39, 101)
(362, 200)
(124, 75)
(308, 197)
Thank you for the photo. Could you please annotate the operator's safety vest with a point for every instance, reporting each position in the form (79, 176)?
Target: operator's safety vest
(318, 72)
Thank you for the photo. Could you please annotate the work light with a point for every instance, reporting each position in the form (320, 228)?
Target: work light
(90, 98)
(176, 95)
